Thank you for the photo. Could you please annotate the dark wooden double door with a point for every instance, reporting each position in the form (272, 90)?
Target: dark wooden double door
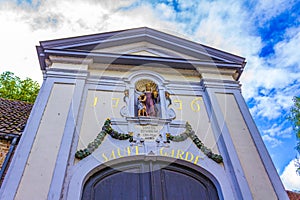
(147, 180)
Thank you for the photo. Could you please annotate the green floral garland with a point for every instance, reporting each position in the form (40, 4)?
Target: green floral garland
(107, 129)
(191, 134)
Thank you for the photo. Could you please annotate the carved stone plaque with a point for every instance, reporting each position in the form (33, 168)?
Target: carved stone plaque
(148, 132)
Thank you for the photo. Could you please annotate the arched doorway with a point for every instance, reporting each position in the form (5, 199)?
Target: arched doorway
(147, 180)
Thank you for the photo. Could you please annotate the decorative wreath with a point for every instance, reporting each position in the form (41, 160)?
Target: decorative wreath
(107, 129)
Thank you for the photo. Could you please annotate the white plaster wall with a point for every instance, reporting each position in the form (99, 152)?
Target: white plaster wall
(37, 176)
(99, 106)
(256, 175)
(192, 109)
(123, 71)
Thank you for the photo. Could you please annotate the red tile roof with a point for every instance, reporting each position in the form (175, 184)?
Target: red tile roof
(13, 115)
(293, 195)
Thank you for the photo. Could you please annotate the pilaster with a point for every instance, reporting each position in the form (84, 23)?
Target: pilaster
(231, 161)
(15, 172)
(65, 151)
(261, 148)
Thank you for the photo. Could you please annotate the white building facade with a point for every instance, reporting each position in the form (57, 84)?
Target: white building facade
(140, 114)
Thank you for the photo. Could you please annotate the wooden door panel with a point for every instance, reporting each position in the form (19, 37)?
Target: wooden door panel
(117, 186)
(180, 186)
(149, 180)
(121, 182)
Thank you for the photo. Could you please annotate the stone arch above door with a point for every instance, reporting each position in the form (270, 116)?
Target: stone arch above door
(149, 179)
(84, 170)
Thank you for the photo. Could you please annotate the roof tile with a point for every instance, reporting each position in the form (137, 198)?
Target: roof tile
(293, 195)
(13, 115)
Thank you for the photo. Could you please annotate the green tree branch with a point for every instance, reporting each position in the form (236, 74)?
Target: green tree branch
(12, 87)
(295, 119)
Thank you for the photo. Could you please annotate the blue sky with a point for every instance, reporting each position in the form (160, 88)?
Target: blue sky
(266, 33)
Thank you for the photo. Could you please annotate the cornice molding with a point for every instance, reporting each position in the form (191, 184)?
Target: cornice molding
(82, 46)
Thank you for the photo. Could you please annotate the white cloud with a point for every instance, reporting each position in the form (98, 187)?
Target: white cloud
(274, 104)
(287, 51)
(24, 26)
(278, 83)
(279, 130)
(225, 26)
(289, 177)
(166, 11)
(271, 140)
(268, 9)
(266, 107)
(183, 4)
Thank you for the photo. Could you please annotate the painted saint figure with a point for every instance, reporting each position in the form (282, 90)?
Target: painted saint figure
(147, 101)
(150, 100)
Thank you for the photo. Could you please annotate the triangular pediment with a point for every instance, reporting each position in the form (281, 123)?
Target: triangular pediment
(140, 46)
(142, 41)
(144, 53)
(143, 49)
